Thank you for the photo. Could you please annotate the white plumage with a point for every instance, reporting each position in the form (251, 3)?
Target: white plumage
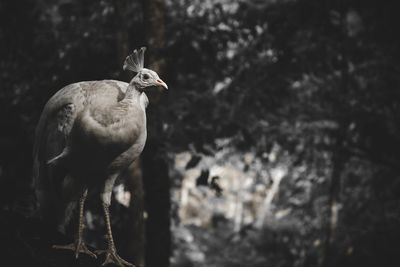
(88, 134)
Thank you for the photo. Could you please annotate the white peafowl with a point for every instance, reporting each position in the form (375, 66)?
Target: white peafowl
(88, 134)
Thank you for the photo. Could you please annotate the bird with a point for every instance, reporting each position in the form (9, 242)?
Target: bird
(88, 133)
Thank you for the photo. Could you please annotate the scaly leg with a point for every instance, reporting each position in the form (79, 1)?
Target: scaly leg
(111, 252)
(78, 246)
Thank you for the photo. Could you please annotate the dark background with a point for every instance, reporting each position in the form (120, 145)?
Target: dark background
(313, 82)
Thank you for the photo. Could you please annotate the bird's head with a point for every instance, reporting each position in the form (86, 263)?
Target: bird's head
(145, 78)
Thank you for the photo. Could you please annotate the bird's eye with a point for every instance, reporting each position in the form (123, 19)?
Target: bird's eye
(146, 76)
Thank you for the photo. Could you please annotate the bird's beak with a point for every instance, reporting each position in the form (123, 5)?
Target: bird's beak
(162, 84)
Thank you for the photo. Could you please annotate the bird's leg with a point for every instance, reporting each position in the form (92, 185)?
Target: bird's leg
(78, 246)
(111, 252)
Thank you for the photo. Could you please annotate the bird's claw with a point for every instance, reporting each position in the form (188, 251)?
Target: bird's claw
(78, 247)
(114, 258)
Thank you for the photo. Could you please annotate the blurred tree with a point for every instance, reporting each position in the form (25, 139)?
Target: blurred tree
(312, 85)
(155, 167)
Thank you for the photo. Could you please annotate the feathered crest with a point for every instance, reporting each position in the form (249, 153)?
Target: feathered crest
(135, 61)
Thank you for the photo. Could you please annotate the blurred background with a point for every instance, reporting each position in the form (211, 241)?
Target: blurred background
(278, 143)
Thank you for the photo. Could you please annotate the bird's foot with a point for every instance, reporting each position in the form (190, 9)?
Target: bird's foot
(77, 247)
(114, 258)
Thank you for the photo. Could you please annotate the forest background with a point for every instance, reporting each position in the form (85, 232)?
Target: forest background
(278, 143)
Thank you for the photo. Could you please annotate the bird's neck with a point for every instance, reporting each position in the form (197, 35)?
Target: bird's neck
(132, 93)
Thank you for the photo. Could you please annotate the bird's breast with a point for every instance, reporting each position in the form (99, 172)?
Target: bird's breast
(109, 138)
(124, 159)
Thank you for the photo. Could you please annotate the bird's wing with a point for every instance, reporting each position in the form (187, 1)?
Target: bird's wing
(60, 112)
(55, 124)
(51, 134)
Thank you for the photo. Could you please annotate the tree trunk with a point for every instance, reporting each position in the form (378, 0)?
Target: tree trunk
(155, 167)
(338, 162)
(122, 33)
(154, 23)
(157, 202)
(134, 228)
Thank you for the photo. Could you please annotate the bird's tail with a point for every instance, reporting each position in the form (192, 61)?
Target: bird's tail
(49, 195)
